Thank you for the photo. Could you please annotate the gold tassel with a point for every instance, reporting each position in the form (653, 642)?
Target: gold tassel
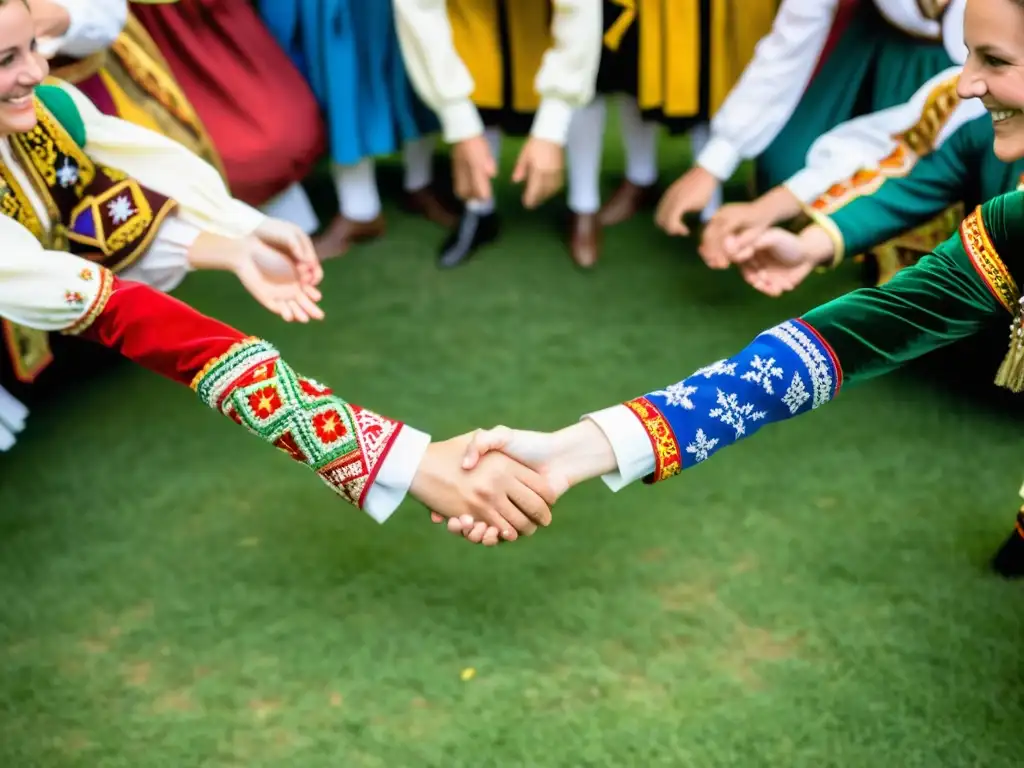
(1011, 373)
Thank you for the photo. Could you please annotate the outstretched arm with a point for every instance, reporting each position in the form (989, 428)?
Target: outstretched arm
(370, 460)
(793, 368)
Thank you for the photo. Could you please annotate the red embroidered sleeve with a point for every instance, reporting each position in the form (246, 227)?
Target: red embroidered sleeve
(245, 379)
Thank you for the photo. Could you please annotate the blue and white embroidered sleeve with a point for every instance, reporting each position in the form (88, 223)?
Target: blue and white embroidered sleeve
(786, 371)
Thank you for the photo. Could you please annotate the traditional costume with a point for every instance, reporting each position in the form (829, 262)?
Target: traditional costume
(887, 51)
(108, 56)
(967, 285)
(669, 63)
(131, 199)
(517, 67)
(903, 206)
(348, 51)
(367, 459)
(255, 104)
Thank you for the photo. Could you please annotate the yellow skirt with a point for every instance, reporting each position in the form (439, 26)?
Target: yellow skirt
(680, 58)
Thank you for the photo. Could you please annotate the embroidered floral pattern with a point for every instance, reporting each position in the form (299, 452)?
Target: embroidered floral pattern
(342, 443)
(714, 407)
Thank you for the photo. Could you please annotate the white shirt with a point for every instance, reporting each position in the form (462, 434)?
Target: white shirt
(767, 93)
(95, 25)
(34, 281)
(565, 81)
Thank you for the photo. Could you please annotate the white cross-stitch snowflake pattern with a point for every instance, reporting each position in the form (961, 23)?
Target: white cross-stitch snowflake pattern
(120, 209)
(796, 395)
(67, 174)
(678, 394)
(702, 446)
(731, 413)
(762, 372)
(721, 368)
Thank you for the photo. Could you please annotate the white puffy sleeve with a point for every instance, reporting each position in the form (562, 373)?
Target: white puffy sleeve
(95, 25)
(46, 290)
(865, 141)
(435, 68)
(768, 91)
(167, 167)
(568, 72)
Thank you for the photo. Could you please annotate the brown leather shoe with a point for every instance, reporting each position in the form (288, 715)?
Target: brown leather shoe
(425, 202)
(625, 202)
(584, 239)
(341, 233)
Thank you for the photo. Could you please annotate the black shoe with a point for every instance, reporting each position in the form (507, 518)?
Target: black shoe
(1009, 560)
(473, 231)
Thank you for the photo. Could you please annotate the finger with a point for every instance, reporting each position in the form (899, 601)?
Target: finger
(283, 309)
(485, 441)
(522, 169)
(463, 182)
(481, 185)
(476, 534)
(674, 222)
(313, 292)
(297, 311)
(436, 518)
(491, 537)
(519, 522)
(455, 525)
(533, 501)
(742, 242)
(309, 307)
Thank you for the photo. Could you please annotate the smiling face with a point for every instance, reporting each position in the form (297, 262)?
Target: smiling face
(21, 68)
(994, 71)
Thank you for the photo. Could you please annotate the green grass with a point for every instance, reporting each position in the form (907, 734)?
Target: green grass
(176, 594)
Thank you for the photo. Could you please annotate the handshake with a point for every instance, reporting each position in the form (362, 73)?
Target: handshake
(493, 485)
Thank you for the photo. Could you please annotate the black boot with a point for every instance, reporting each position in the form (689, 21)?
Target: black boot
(473, 231)
(1009, 560)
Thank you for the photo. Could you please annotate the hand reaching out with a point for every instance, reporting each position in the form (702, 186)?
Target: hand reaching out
(473, 168)
(290, 240)
(690, 193)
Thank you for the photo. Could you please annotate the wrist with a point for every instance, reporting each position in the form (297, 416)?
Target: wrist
(817, 246)
(209, 251)
(778, 205)
(582, 452)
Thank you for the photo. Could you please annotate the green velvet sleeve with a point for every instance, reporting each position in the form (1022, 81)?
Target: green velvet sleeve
(951, 293)
(893, 204)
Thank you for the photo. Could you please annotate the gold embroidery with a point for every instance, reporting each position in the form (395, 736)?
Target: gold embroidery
(987, 263)
(668, 460)
(613, 37)
(911, 145)
(95, 309)
(45, 141)
(29, 350)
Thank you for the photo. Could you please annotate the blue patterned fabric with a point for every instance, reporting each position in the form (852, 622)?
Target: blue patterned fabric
(787, 370)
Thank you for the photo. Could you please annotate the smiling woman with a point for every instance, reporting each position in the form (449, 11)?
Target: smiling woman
(22, 68)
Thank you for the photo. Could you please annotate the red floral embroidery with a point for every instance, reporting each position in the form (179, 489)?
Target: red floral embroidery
(74, 297)
(329, 426)
(265, 402)
(86, 274)
(313, 389)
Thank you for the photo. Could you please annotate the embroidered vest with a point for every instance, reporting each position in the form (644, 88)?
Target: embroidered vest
(95, 211)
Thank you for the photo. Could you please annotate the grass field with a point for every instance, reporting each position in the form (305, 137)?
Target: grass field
(175, 593)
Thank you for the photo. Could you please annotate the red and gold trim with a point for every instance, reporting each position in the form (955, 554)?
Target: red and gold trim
(668, 459)
(104, 281)
(986, 261)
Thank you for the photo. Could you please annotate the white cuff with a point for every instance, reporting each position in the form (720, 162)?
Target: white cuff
(630, 443)
(396, 473)
(551, 123)
(807, 185)
(460, 121)
(719, 158)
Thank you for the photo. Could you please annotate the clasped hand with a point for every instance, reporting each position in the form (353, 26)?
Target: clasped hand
(493, 485)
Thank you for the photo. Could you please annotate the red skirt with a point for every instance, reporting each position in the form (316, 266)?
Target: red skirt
(255, 104)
